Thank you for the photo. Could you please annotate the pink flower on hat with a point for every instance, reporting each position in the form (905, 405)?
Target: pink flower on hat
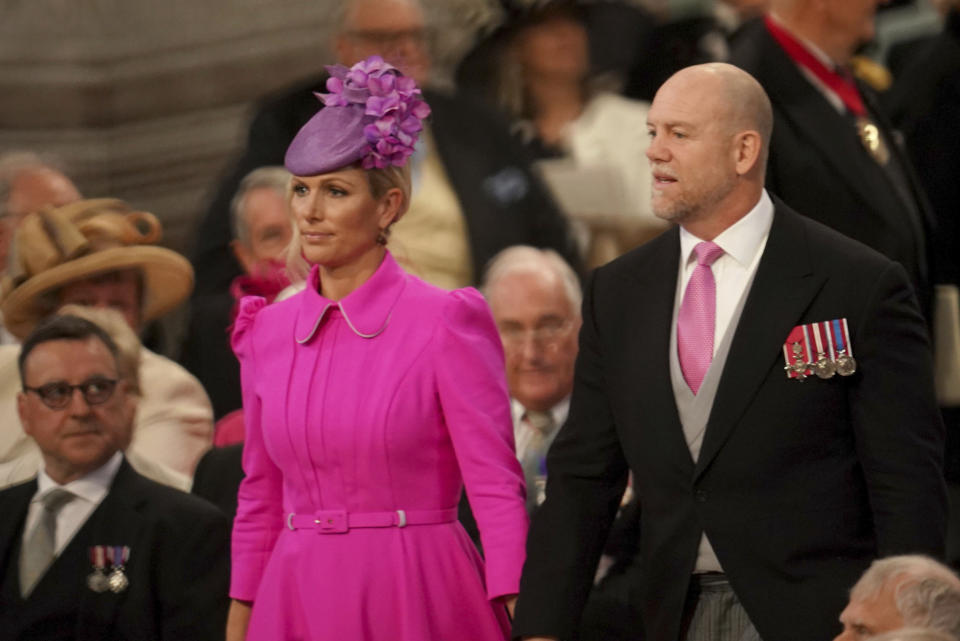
(389, 98)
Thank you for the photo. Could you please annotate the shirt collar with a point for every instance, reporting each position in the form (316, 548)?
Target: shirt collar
(558, 412)
(366, 309)
(91, 487)
(740, 241)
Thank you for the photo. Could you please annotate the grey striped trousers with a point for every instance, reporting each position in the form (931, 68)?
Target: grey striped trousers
(713, 612)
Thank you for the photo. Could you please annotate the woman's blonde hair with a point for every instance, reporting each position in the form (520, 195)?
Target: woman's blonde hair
(380, 181)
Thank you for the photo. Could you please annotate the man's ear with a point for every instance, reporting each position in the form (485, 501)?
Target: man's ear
(746, 150)
(21, 408)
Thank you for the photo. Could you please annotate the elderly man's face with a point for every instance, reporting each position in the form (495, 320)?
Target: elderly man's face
(120, 290)
(867, 617)
(392, 29)
(268, 226)
(80, 437)
(538, 326)
(691, 152)
(852, 20)
(31, 190)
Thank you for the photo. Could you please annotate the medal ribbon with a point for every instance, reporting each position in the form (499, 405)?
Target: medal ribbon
(846, 337)
(842, 335)
(826, 331)
(118, 554)
(817, 339)
(797, 335)
(838, 83)
(98, 557)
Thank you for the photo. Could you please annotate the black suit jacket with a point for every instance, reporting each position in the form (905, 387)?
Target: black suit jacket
(925, 104)
(218, 476)
(819, 166)
(178, 569)
(503, 204)
(799, 485)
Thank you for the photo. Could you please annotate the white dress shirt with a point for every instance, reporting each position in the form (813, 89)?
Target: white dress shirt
(742, 244)
(89, 490)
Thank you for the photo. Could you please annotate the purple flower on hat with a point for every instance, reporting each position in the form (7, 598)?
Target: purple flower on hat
(390, 100)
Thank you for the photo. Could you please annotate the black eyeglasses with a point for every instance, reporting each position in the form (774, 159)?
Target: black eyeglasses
(57, 395)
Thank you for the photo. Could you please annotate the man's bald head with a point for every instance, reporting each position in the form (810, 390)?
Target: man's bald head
(710, 128)
(743, 104)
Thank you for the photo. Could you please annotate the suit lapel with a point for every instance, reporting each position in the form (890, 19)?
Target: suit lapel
(647, 341)
(782, 289)
(14, 510)
(924, 211)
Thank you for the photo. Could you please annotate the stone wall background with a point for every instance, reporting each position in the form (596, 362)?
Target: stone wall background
(149, 101)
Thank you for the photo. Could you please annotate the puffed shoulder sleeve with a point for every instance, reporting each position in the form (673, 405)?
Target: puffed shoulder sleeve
(260, 498)
(243, 325)
(476, 408)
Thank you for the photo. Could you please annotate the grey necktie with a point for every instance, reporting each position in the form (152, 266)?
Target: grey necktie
(39, 547)
(541, 425)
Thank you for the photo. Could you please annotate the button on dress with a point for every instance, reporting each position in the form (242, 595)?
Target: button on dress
(389, 400)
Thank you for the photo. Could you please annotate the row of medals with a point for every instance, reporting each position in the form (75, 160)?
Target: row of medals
(116, 582)
(823, 367)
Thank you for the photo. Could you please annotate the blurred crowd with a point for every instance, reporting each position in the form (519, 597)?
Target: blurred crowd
(532, 172)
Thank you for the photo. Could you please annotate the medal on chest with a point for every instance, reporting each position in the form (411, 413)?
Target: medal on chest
(97, 580)
(119, 555)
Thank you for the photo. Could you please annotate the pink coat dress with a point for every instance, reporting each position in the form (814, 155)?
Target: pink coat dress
(361, 417)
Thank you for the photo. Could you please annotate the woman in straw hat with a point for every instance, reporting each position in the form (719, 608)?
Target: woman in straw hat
(371, 399)
(102, 253)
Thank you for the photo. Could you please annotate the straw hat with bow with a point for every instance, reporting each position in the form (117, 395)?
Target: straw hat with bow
(56, 246)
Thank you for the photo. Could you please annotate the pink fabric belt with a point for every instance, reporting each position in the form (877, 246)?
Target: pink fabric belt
(339, 521)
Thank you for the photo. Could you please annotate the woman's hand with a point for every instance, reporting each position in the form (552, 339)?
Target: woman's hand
(511, 603)
(238, 618)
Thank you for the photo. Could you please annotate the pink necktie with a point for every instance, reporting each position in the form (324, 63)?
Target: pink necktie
(696, 320)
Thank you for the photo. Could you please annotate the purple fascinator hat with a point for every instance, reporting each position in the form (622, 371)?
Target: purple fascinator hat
(372, 115)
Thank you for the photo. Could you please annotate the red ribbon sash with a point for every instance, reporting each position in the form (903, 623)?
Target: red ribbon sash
(839, 84)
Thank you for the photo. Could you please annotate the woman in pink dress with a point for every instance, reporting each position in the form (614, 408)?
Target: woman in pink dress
(371, 398)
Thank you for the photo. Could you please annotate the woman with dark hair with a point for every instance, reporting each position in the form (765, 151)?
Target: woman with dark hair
(538, 75)
(371, 398)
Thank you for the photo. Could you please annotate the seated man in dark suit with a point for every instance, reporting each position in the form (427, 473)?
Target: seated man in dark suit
(90, 549)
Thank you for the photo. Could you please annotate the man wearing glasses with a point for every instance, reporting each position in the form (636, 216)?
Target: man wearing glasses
(89, 549)
(535, 300)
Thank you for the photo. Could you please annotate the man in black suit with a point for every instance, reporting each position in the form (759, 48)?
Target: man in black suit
(90, 549)
(768, 490)
(833, 155)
